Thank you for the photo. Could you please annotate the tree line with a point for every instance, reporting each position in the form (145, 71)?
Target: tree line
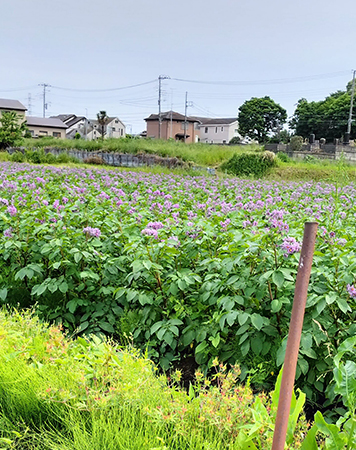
(263, 119)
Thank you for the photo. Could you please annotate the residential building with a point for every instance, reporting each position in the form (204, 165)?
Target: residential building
(217, 131)
(173, 126)
(39, 127)
(90, 128)
(7, 105)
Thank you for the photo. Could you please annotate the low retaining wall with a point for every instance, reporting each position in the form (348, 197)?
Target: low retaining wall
(114, 159)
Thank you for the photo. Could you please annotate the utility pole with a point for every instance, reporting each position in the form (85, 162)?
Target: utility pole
(349, 122)
(185, 116)
(45, 86)
(160, 78)
(29, 102)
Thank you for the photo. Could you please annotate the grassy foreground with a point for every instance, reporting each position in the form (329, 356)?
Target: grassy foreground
(63, 394)
(201, 154)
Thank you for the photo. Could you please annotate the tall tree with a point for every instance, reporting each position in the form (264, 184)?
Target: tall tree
(259, 117)
(326, 118)
(102, 118)
(12, 129)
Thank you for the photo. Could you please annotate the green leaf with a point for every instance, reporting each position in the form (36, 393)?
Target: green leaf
(63, 287)
(257, 321)
(3, 294)
(72, 305)
(256, 345)
(77, 257)
(309, 442)
(343, 305)
(242, 317)
(338, 440)
(245, 348)
(231, 317)
(216, 340)
(278, 278)
(201, 347)
(156, 326)
(188, 337)
(106, 326)
(276, 305)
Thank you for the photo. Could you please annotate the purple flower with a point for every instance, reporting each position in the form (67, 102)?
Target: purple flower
(8, 233)
(225, 224)
(12, 210)
(290, 246)
(94, 232)
(155, 225)
(351, 290)
(150, 232)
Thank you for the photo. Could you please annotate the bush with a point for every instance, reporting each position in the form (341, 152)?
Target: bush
(17, 157)
(246, 164)
(94, 160)
(235, 140)
(50, 158)
(35, 157)
(296, 143)
(283, 157)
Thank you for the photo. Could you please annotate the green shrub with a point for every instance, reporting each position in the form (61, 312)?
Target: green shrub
(17, 157)
(235, 140)
(246, 164)
(50, 158)
(35, 157)
(283, 157)
(296, 143)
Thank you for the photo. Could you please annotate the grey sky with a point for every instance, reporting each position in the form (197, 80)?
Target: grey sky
(104, 44)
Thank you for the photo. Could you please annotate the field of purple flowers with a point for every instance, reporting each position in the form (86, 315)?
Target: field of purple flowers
(187, 268)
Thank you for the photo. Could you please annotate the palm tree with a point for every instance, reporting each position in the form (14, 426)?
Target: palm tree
(102, 120)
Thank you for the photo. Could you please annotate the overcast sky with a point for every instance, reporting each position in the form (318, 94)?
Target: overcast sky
(283, 49)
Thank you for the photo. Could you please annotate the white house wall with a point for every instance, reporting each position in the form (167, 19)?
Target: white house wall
(218, 134)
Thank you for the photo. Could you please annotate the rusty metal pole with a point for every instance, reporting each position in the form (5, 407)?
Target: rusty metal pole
(294, 335)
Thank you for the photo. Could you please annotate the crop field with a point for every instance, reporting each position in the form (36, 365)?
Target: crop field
(188, 269)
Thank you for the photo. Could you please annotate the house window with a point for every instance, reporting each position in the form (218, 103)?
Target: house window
(236, 130)
(45, 133)
(224, 142)
(112, 128)
(57, 134)
(216, 129)
(206, 129)
(116, 121)
(222, 128)
(122, 132)
(186, 125)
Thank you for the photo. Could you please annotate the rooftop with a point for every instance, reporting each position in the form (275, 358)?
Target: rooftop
(6, 103)
(51, 122)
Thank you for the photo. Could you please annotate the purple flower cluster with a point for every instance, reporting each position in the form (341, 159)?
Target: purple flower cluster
(351, 290)
(152, 229)
(94, 232)
(12, 210)
(290, 246)
(8, 233)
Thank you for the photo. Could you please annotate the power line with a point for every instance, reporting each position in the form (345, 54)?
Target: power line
(104, 90)
(273, 81)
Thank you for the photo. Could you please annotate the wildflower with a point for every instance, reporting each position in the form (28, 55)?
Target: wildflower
(94, 232)
(290, 246)
(224, 224)
(8, 233)
(351, 290)
(155, 225)
(12, 210)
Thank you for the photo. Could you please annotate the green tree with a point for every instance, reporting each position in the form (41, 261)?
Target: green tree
(326, 119)
(259, 117)
(102, 120)
(12, 129)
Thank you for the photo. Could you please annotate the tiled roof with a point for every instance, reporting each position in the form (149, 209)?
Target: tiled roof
(168, 115)
(46, 122)
(11, 104)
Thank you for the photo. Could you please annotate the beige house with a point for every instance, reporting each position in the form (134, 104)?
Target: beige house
(173, 126)
(7, 105)
(40, 127)
(218, 131)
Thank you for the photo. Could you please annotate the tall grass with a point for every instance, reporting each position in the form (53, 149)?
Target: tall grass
(63, 394)
(202, 154)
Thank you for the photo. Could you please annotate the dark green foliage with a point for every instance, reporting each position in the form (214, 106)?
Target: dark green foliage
(296, 143)
(12, 129)
(259, 117)
(235, 140)
(326, 118)
(17, 157)
(247, 164)
(283, 157)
